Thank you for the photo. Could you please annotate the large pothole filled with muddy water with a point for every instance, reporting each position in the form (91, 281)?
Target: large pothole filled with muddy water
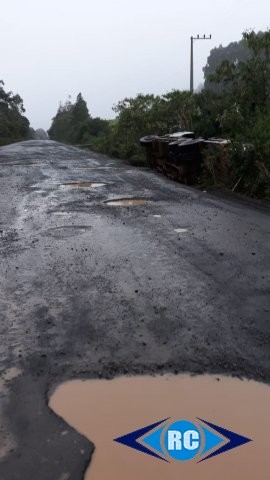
(128, 202)
(103, 410)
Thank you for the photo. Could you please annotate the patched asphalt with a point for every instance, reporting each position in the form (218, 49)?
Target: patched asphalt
(178, 282)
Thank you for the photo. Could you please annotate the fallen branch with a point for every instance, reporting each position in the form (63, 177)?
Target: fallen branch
(237, 183)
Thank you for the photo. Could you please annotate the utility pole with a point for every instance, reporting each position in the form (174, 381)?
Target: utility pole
(192, 58)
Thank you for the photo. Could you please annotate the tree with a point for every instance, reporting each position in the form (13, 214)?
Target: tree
(62, 123)
(40, 134)
(245, 116)
(14, 125)
(234, 53)
(150, 114)
(66, 125)
(80, 111)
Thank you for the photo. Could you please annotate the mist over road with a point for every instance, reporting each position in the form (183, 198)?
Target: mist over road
(178, 283)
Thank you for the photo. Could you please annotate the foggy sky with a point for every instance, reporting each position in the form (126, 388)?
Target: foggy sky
(110, 49)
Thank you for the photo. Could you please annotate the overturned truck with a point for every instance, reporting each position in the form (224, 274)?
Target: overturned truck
(180, 155)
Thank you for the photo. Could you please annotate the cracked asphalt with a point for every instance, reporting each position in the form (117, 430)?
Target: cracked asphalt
(91, 290)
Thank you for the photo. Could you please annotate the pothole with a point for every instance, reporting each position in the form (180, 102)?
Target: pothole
(103, 410)
(66, 231)
(128, 202)
(83, 185)
(61, 214)
(47, 185)
(181, 230)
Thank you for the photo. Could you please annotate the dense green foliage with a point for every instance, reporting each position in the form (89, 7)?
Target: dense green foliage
(14, 126)
(239, 110)
(234, 53)
(245, 114)
(234, 104)
(73, 123)
(40, 134)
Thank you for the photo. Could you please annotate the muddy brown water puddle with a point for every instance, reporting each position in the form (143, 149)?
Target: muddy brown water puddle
(83, 185)
(128, 202)
(102, 410)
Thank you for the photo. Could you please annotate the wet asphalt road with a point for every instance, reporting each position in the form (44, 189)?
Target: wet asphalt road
(91, 290)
